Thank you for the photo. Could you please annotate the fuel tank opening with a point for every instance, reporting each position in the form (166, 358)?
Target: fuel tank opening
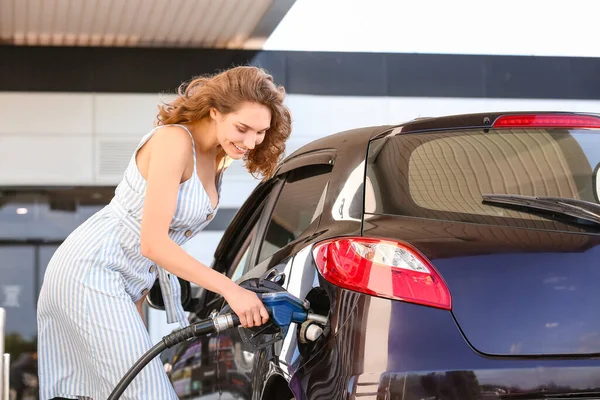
(313, 333)
(319, 301)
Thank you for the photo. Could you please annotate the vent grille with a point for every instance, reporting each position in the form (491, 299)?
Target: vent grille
(112, 158)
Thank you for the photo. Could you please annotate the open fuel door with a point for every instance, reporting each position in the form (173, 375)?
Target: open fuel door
(597, 183)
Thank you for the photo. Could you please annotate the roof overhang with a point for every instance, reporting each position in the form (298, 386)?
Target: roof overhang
(141, 23)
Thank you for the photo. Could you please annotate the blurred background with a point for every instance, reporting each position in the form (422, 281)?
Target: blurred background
(80, 82)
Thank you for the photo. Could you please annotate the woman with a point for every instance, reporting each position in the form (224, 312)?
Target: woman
(89, 310)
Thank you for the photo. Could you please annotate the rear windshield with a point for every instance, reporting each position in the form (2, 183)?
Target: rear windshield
(442, 175)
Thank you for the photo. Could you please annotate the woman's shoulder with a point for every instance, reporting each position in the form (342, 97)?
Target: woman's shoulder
(171, 130)
(164, 144)
(171, 137)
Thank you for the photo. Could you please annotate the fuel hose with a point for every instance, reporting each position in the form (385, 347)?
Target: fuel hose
(197, 329)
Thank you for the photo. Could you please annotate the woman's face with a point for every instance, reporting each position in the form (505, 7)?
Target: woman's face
(242, 130)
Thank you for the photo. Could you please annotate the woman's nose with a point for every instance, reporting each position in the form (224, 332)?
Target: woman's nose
(250, 140)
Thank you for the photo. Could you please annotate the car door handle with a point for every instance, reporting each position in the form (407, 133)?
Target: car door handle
(275, 276)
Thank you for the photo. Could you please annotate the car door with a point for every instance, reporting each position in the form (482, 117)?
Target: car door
(288, 216)
(194, 365)
(237, 252)
(232, 363)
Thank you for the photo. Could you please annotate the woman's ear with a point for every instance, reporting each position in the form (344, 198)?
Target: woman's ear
(213, 113)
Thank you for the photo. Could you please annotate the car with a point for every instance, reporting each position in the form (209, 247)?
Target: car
(455, 257)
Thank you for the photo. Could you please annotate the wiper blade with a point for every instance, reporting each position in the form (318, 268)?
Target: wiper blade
(581, 209)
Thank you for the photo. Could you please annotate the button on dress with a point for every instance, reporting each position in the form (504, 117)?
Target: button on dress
(89, 330)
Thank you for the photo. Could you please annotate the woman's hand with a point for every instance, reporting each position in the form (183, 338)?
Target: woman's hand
(247, 306)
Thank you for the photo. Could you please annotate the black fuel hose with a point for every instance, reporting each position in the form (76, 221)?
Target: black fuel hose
(200, 328)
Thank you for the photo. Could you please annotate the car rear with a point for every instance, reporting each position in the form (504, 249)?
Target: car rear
(457, 298)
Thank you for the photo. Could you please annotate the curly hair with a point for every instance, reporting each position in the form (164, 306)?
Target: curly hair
(225, 91)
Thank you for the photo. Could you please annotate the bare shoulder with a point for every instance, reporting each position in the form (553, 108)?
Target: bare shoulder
(171, 139)
(169, 146)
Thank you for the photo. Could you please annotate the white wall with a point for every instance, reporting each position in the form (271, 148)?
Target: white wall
(87, 139)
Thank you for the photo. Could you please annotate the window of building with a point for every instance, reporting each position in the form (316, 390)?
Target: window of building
(18, 296)
(33, 223)
(48, 214)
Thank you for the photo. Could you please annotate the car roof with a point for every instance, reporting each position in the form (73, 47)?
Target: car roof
(472, 121)
(340, 140)
(334, 141)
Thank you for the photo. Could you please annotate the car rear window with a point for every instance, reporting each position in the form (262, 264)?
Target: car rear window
(443, 175)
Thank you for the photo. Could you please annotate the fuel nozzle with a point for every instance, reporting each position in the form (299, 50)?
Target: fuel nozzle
(285, 308)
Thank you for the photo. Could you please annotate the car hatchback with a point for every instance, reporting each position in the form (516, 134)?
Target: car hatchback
(455, 258)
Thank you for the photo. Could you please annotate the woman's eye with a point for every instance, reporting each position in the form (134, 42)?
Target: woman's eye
(241, 130)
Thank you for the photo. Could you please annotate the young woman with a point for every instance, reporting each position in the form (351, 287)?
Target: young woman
(89, 310)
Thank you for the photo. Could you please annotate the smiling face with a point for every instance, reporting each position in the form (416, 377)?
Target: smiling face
(242, 130)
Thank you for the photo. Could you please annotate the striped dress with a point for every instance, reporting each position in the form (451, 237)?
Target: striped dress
(89, 330)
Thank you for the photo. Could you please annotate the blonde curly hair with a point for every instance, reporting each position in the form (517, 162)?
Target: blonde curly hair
(225, 91)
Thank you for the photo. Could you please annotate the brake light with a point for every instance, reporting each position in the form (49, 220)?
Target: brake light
(547, 121)
(382, 268)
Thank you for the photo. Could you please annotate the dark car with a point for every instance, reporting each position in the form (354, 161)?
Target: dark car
(455, 257)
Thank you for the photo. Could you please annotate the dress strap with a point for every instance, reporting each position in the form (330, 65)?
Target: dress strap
(191, 137)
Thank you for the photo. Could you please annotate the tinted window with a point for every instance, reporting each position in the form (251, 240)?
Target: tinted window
(240, 264)
(443, 175)
(299, 204)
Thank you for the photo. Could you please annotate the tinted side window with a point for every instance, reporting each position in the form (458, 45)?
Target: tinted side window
(240, 263)
(300, 203)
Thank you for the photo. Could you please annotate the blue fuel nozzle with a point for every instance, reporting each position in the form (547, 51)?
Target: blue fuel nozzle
(285, 308)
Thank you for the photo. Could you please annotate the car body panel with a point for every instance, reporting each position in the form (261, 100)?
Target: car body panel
(392, 349)
(545, 268)
(243, 370)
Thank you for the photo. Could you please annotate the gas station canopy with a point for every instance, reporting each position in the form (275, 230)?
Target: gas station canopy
(141, 23)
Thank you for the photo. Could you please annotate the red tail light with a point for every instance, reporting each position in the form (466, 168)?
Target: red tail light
(382, 268)
(547, 121)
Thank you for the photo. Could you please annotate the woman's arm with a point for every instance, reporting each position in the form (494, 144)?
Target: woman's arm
(169, 154)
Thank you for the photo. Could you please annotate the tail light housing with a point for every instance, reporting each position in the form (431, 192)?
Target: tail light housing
(382, 268)
(547, 121)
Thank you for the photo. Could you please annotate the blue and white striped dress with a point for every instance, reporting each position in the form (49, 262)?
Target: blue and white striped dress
(89, 330)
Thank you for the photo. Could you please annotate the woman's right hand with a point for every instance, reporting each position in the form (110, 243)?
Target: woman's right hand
(247, 306)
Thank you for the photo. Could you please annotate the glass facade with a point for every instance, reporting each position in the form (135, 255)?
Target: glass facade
(33, 223)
